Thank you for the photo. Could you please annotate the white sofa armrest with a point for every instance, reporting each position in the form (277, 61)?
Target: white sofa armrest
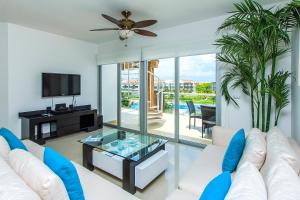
(221, 136)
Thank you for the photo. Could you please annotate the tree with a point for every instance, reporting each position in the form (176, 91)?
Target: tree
(253, 38)
(204, 88)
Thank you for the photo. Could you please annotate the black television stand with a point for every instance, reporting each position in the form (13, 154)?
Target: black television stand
(60, 123)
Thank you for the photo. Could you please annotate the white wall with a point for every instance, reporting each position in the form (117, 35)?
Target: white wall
(31, 52)
(189, 39)
(296, 86)
(3, 75)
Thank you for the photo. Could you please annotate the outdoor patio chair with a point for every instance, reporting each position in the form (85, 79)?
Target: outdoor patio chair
(208, 117)
(192, 113)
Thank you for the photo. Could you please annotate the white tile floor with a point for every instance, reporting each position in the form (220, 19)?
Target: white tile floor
(180, 158)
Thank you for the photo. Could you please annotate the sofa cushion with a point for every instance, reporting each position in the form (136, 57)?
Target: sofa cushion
(279, 148)
(296, 147)
(12, 140)
(221, 136)
(282, 182)
(92, 184)
(247, 184)
(12, 187)
(96, 187)
(205, 167)
(255, 149)
(35, 149)
(4, 148)
(234, 151)
(37, 175)
(66, 171)
(217, 188)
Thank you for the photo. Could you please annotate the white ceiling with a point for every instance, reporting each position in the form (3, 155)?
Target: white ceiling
(74, 18)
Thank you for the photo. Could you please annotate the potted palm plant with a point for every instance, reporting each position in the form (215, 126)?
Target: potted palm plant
(252, 40)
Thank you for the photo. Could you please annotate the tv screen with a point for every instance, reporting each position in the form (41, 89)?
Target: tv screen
(54, 85)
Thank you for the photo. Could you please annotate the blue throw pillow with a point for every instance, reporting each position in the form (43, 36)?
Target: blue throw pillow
(63, 168)
(234, 151)
(12, 140)
(217, 188)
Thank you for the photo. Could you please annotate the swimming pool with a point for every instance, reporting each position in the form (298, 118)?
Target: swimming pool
(182, 107)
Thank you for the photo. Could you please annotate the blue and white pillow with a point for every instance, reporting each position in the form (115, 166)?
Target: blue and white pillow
(217, 188)
(12, 140)
(64, 169)
(234, 151)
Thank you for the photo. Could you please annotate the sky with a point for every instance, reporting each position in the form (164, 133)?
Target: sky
(200, 68)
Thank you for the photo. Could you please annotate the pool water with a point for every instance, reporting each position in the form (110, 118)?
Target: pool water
(182, 107)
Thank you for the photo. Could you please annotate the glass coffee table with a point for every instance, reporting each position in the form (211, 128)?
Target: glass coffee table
(132, 147)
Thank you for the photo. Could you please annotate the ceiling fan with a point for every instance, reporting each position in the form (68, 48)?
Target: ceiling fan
(128, 27)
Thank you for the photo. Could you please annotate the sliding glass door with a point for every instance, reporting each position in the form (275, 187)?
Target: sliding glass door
(130, 95)
(161, 97)
(109, 94)
(197, 81)
(164, 97)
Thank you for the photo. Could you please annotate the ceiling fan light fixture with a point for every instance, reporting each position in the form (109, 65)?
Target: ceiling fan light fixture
(125, 34)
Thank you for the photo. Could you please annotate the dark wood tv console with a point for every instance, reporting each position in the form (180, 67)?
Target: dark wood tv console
(60, 124)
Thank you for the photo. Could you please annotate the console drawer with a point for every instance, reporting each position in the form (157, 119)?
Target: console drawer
(68, 121)
(68, 129)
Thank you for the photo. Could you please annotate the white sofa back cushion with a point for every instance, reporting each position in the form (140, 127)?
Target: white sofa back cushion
(37, 175)
(222, 136)
(12, 187)
(279, 149)
(4, 148)
(35, 149)
(282, 182)
(247, 184)
(255, 149)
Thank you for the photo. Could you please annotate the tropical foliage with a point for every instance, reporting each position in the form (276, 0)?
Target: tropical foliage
(252, 40)
(205, 88)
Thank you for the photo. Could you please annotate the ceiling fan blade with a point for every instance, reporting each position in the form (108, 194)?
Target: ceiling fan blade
(105, 29)
(144, 23)
(113, 20)
(144, 32)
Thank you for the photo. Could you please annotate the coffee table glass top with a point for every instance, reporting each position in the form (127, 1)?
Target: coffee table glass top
(128, 145)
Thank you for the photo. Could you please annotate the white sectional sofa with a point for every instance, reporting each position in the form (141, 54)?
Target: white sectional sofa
(94, 186)
(209, 164)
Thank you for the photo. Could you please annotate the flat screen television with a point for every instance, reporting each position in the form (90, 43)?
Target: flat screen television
(54, 85)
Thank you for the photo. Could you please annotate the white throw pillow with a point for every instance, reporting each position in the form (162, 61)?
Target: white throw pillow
(4, 148)
(12, 187)
(247, 184)
(255, 149)
(279, 149)
(282, 182)
(37, 175)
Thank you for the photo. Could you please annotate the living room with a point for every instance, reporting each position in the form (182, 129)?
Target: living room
(139, 102)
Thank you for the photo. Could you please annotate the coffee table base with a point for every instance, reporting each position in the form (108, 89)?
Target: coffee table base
(129, 166)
